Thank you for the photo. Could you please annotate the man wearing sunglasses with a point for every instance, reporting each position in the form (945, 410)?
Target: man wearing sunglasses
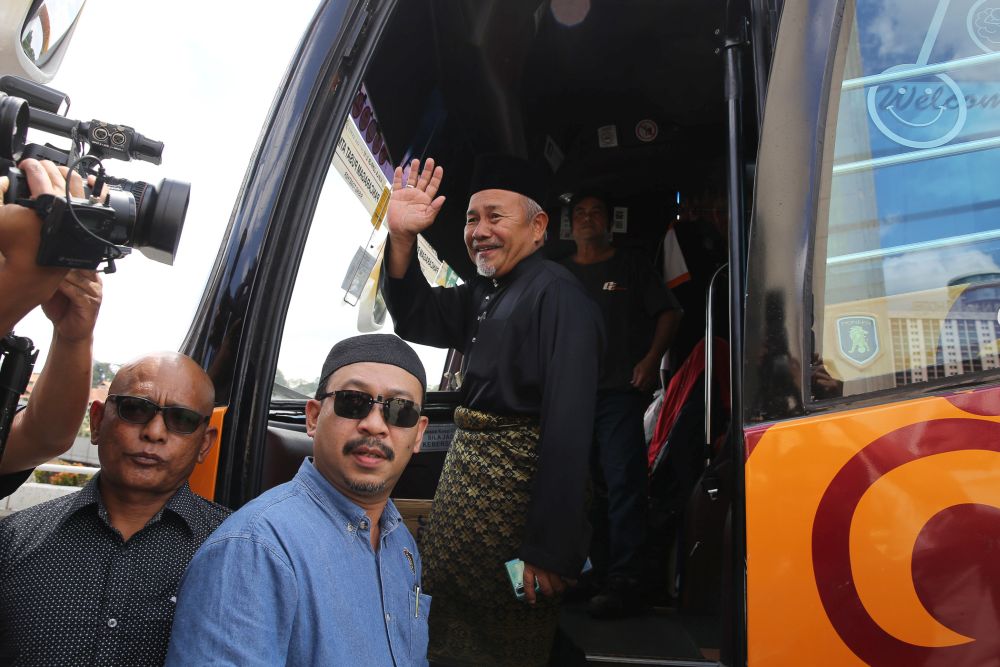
(92, 577)
(321, 570)
(514, 479)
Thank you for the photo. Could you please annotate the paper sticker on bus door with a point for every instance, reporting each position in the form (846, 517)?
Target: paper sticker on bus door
(361, 171)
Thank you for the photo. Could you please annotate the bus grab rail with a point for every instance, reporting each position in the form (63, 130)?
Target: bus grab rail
(709, 357)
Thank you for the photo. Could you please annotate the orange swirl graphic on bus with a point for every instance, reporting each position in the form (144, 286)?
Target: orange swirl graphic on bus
(906, 546)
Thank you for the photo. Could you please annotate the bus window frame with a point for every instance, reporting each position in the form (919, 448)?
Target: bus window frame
(787, 196)
(268, 230)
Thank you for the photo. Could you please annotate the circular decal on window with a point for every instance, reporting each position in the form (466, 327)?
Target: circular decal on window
(646, 130)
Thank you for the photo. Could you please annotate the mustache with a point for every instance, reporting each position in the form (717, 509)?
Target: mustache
(369, 443)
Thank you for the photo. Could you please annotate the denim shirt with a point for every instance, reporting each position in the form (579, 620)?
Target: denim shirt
(292, 579)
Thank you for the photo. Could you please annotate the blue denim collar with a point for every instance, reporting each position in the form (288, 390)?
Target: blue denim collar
(340, 505)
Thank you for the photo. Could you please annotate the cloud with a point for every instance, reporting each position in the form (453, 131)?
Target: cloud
(895, 31)
(934, 268)
(201, 78)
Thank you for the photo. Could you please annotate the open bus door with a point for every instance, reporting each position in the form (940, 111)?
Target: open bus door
(870, 401)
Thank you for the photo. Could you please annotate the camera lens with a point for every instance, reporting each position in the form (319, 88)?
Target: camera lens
(160, 213)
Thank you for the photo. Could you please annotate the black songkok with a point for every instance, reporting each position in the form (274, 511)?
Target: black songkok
(377, 348)
(494, 171)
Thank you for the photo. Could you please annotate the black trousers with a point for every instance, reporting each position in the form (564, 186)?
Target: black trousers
(619, 467)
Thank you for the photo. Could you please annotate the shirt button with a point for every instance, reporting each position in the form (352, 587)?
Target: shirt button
(388, 617)
(487, 298)
(112, 623)
(473, 339)
(363, 525)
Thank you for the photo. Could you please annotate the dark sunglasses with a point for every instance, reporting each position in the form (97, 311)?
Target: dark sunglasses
(351, 404)
(138, 410)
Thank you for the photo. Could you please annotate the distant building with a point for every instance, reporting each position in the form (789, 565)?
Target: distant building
(100, 392)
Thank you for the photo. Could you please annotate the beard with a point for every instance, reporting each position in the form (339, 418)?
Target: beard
(365, 489)
(368, 488)
(484, 269)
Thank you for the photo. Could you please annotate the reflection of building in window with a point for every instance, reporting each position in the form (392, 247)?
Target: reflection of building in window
(965, 341)
(966, 346)
(918, 336)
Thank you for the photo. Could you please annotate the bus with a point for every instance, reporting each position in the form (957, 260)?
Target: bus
(828, 170)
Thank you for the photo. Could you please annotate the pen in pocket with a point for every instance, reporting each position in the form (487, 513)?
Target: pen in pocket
(416, 606)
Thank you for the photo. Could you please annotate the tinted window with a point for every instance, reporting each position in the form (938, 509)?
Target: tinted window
(907, 264)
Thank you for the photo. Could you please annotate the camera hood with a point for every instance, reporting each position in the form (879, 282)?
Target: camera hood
(160, 220)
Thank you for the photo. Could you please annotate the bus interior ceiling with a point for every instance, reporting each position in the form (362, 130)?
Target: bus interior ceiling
(451, 79)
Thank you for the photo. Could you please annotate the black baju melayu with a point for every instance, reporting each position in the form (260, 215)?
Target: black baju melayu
(514, 480)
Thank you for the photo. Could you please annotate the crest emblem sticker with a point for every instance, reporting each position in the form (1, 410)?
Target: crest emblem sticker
(858, 339)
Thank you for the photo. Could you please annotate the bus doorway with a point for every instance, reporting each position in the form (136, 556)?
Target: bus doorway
(625, 96)
(627, 99)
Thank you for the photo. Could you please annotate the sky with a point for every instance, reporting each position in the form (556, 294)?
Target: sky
(200, 77)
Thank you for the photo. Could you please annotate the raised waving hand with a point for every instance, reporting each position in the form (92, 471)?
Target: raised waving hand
(413, 206)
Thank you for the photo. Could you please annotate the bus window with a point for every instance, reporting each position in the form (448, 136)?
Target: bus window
(907, 257)
(335, 292)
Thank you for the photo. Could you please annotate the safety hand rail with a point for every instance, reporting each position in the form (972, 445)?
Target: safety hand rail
(709, 356)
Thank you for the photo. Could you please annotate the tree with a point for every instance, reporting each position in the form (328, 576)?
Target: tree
(305, 387)
(103, 372)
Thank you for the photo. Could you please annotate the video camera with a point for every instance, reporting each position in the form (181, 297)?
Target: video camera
(83, 233)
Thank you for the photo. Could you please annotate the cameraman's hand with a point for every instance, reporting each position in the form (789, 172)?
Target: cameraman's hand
(20, 227)
(24, 284)
(74, 306)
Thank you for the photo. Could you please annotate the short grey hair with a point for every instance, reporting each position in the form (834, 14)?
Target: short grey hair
(531, 208)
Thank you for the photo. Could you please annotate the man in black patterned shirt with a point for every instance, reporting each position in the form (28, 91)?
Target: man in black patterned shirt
(91, 578)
